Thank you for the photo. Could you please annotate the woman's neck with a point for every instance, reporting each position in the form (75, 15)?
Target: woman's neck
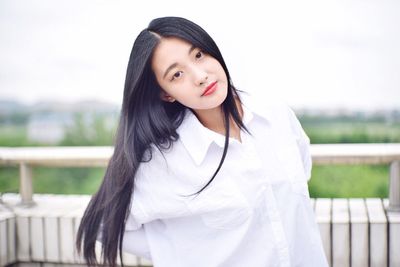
(213, 120)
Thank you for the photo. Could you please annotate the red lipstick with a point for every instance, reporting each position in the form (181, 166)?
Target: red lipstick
(210, 89)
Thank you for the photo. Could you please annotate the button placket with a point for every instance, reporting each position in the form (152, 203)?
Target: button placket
(276, 224)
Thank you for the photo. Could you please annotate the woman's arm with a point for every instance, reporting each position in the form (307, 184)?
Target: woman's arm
(135, 241)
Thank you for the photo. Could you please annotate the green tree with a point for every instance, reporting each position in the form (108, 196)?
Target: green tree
(88, 131)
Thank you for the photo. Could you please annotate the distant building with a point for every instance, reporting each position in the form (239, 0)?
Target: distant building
(48, 128)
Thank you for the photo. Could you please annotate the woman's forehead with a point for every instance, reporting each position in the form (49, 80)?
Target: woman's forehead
(172, 46)
(170, 50)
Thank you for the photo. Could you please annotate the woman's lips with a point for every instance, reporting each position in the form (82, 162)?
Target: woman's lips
(210, 89)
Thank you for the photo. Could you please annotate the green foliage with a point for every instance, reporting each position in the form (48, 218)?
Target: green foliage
(15, 136)
(54, 180)
(9, 179)
(358, 128)
(94, 134)
(327, 181)
(67, 180)
(347, 181)
(334, 133)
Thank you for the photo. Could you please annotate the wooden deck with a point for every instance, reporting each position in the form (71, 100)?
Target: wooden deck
(355, 232)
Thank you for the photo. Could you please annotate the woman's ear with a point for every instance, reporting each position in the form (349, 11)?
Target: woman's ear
(167, 97)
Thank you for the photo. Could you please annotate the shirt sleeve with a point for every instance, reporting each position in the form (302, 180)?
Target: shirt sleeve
(303, 142)
(135, 241)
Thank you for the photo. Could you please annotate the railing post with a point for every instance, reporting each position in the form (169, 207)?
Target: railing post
(394, 186)
(25, 184)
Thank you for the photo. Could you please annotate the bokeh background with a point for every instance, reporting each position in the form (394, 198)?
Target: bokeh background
(336, 63)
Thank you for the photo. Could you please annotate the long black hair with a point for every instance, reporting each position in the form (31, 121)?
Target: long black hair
(145, 120)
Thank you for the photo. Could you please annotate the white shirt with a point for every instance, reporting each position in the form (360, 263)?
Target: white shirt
(256, 212)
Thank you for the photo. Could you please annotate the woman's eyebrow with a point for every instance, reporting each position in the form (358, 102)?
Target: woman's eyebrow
(176, 64)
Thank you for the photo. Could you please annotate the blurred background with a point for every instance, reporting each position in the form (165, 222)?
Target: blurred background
(336, 63)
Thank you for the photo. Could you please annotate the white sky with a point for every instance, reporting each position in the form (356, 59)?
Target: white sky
(311, 53)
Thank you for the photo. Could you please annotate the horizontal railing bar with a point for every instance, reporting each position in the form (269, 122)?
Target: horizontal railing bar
(96, 156)
(355, 153)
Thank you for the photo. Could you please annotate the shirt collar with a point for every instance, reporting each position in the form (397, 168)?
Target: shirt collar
(197, 138)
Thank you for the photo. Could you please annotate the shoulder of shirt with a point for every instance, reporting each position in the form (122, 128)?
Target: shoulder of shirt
(269, 108)
(275, 111)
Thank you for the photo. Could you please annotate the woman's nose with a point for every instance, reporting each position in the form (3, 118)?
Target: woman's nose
(200, 75)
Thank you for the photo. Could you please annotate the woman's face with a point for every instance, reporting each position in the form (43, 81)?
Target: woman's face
(184, 72)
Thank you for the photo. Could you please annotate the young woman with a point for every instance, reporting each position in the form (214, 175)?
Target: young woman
(201, 175)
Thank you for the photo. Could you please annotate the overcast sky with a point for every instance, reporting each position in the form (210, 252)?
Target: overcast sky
(309, 53)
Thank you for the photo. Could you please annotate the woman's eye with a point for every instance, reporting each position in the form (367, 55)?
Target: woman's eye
(199, 54)
(176, 75)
